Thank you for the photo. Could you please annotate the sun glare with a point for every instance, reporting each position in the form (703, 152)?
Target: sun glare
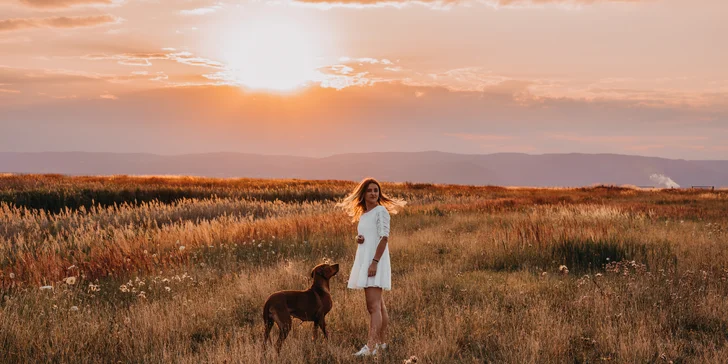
(271, 55)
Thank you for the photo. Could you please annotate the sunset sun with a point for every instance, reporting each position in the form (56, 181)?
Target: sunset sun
(271, 55)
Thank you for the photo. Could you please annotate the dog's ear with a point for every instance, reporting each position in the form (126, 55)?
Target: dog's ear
(317, 270)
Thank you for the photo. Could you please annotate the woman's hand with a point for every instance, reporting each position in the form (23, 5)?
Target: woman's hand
(372, 269)
(360, 239)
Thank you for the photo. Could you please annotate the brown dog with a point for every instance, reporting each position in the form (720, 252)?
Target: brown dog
(310, 305)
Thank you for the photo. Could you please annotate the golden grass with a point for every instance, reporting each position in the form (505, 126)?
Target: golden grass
(476, 273)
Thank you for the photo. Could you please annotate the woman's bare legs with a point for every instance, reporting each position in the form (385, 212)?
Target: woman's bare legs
(375, 308)
(385, 322)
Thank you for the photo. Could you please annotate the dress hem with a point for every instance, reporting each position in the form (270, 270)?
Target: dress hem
(360, 288)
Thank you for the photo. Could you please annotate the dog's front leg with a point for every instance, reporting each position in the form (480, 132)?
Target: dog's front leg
(322, 324)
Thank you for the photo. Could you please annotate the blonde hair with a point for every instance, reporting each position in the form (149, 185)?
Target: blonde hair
(354, 204)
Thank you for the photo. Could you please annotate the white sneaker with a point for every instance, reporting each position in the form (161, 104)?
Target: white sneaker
(365, 351)
(381, 347)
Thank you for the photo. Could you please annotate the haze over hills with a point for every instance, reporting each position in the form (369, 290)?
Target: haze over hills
(506, 169)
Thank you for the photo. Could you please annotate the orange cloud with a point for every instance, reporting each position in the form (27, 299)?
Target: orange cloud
(202, 11)
(144, 59)
(51, 4)
(448, 3)
(64, 22)
(657, 140)
(480, 137)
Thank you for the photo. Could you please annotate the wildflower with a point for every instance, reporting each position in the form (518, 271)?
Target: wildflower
(543, 274)
(124, 288)
(93, 287)
(70, 280)
(142, 295)
(563, 269)
(46, 288)
(71, 267)
(74, 308)
(260, 245)
(167, 289)
(181, 248)
(598, 275)
(165, 280)
(412, 359)
(12, 275)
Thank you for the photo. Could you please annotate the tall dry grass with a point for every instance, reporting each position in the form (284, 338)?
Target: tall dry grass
(478, 273)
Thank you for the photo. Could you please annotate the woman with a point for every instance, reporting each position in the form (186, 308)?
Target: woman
(371, 270)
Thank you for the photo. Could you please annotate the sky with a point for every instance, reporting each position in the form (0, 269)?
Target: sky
(323, 77)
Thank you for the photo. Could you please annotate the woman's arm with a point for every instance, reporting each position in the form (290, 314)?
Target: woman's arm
(380, 250)
(383, 229)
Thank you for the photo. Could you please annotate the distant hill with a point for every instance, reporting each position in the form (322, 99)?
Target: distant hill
(512, 169)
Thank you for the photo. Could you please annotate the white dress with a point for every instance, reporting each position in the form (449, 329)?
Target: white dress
(374, 224)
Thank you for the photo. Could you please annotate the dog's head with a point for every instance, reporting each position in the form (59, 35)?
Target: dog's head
(325, 270)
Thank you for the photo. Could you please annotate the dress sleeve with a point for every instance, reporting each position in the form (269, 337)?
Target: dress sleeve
(383, 222)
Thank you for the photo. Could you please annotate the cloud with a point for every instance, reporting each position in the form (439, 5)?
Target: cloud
(477, 122)
(444, 4)
(6, 91)
(202, 11)
(63, 22)
(59, 77)
(55, 4)
(15, 40)
(144, 59)
(479, 137)
(655, 139)
(108, 96)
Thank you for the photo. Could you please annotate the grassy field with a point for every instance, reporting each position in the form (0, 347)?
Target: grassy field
(148, 270)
